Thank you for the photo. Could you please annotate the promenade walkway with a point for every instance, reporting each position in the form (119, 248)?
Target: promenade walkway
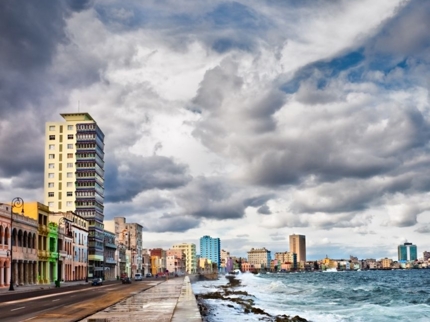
(169, 301)
(172, 300)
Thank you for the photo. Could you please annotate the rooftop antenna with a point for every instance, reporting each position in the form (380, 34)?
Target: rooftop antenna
(79, 105)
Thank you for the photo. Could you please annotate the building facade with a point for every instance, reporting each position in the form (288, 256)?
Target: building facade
(298, 246)
(259, 258)
(407, 252)
(5, 245)
(20, 247)
(287, 257)
(175, 261)
(109, 266)
(190, 255)
(210, 248)
(130, 235)
(74, 175)
(73, 245)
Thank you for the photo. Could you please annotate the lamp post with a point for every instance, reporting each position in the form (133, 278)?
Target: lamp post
(60, 222)
(16, 203)
(104, 256)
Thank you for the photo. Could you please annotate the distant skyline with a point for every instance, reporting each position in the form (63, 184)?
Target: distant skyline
(244, 120)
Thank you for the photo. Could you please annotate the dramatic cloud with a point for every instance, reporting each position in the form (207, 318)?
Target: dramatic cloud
(245, 120)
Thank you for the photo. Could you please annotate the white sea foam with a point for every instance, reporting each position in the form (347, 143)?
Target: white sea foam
(330, 297)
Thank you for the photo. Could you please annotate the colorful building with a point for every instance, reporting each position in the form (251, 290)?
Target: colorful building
(190, 255)
(210, 248)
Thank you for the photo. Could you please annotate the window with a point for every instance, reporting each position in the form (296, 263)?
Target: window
(69, 174)
(50, 185)
(50, 194)
(50, 204)
(52, 156)
(70, 146)
(69, 203)
(52, 137)
(70, 136)
(69, 194)
(52, 147)
(52, 128)
(70, 165)
(69, 184)
(51, 166)
(50, 175)
(70, 127)
(69, 155)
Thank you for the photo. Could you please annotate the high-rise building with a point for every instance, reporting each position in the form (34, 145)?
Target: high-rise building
(210, 248)
(190, 256)
(298, 246)
(407, 252)
(74, 175)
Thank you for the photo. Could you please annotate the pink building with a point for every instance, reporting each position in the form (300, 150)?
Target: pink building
(175, 261)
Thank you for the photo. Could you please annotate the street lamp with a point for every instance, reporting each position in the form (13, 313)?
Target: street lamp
(104, 256)
(16, 203)
(60, 222)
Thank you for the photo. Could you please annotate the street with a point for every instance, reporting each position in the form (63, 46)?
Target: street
(67, 304)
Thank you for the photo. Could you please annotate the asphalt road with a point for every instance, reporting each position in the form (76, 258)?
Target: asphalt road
(71, 303)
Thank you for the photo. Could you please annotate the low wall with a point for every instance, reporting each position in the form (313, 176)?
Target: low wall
(203, 277)
(186, 308)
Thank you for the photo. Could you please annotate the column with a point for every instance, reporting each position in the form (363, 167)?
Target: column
(8, 272)
(2, 269)
(21, 272)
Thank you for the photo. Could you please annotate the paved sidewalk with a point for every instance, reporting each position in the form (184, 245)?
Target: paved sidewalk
(34, 287)
(172, 300)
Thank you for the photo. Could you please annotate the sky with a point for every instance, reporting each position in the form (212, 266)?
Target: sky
(244, 120)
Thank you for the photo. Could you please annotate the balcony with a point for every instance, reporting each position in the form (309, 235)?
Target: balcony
(43, 230)
(110, 260)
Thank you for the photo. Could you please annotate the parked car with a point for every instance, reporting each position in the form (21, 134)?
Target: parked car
(97, 281)
(126, 280)
(149, 275)
(138, 277)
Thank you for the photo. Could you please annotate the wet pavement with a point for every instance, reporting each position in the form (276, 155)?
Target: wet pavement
(172, 300)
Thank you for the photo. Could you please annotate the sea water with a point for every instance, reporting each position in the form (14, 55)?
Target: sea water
(395, 295)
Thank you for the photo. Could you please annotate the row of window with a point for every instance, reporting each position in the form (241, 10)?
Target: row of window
(51, 175)
(86, 174)
(85, 136)
(86, 127)
(69, 137)
(86, 213)
(85, 155)
(68, 204)
(52, 184)
(52, 156)
(85, 145)
(52, 165)
(52, 127)
(85, 193)
(52, 146)
(69, 194)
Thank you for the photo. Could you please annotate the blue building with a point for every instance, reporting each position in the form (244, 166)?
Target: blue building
(210, 248)
(407, 252)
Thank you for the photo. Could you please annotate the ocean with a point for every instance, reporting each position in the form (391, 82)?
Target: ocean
(395, 295)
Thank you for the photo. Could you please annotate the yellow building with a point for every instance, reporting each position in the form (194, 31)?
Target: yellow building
(46, 268)
(74, 175)
(386, 263)
(190, 254)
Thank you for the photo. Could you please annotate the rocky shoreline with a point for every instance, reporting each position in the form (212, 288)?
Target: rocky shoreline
(229, 294)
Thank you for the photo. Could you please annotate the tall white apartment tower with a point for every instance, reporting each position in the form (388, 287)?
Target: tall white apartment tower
(74, 175)
(298, 246)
